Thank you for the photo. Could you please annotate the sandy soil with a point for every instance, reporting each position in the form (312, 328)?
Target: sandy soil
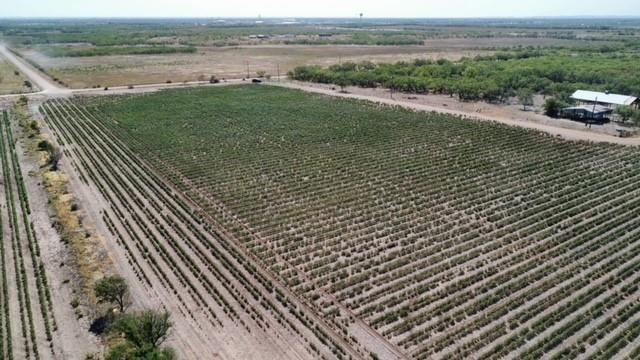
(72, 339)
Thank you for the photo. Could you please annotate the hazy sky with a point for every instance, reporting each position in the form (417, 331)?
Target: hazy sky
(316, 8)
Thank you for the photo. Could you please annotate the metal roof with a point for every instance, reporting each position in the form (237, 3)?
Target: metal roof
(604, 98)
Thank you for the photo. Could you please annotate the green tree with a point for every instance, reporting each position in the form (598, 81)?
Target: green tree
(126, 351)
(525, 97)
(553, 106)
(636, 118)
(625, 112)
(343, 82)
(113, 289)
(142, 335)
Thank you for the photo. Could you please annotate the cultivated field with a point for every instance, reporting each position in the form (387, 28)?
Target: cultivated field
(364, 230)
(27, 321)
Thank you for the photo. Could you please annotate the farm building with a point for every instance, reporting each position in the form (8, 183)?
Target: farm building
(587, 112)
(605, 99)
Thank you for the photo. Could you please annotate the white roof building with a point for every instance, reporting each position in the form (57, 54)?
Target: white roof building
(604, 98)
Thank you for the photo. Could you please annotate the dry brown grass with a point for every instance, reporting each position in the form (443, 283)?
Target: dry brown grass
(84, 244)
(228, 62)
(9, 82)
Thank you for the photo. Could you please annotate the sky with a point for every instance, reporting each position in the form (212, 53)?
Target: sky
(317, 8)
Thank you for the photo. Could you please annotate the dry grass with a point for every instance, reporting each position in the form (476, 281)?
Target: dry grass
(228, 62)
(85, 246)
(10, 83)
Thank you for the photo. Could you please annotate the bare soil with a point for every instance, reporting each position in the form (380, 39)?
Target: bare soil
(72, 339)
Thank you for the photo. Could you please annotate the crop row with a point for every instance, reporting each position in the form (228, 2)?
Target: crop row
(196, 258)
(443, 237)
(29, 271)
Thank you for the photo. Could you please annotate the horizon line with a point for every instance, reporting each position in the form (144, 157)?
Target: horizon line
(329, 17)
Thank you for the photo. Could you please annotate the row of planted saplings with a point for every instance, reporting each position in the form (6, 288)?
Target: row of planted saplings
(179, 231)
(548, 230)
(253, 271)
(598, 264)
(44, 291)
(20, 271)
(123, 197)
(557, 251)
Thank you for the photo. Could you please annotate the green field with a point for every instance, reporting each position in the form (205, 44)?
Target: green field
(449, 237)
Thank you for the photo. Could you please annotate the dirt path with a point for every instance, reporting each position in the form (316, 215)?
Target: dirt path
(568, 134)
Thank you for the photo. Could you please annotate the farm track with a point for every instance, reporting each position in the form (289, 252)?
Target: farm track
(29, 324)
(423, 249)
(141, 194)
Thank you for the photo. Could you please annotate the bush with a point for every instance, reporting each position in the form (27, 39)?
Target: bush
(625, 112)
(553, 106)
(142, 335)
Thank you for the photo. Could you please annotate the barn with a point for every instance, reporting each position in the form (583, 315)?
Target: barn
(605, 99)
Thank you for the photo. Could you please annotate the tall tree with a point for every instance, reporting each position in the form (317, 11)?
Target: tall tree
(525, 97)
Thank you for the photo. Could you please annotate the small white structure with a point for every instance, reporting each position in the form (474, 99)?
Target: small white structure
(606, 99)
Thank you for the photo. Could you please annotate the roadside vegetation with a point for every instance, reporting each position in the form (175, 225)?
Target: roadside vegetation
(492, 78)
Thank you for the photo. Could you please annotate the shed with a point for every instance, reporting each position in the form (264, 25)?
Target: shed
(587, 112)
(607, 99)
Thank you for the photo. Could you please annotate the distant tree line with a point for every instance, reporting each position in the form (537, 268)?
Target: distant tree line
(59, 51)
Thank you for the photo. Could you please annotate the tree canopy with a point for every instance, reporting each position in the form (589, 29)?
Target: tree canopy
(113, 289)
(491, 78)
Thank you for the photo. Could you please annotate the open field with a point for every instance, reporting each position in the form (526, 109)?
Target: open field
(231, 62)
(82, 72)
(121, 52)
(10, 83)
(233, 32)
(394, 233)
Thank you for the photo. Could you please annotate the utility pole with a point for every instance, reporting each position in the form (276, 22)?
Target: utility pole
(248, 75)
(278, 66)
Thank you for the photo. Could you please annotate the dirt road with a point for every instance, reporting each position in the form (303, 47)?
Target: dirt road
(45, 85)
